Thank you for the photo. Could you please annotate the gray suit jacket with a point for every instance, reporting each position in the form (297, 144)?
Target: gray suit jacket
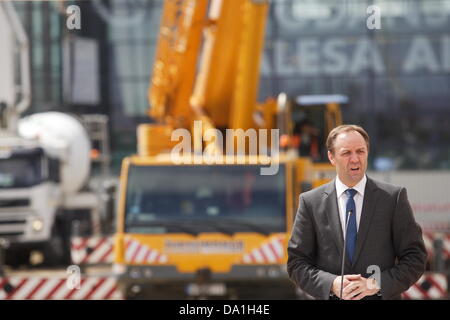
(388, 237)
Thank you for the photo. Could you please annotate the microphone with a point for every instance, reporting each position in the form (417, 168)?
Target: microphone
(344, 251)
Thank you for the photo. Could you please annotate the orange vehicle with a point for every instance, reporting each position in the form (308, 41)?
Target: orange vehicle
(195, 219)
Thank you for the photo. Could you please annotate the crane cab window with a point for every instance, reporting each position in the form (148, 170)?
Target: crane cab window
(312, 119)
(308, 132)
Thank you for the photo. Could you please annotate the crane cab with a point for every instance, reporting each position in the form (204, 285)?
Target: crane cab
(308, 120)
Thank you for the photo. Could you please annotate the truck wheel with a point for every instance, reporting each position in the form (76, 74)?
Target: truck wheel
(17, 257)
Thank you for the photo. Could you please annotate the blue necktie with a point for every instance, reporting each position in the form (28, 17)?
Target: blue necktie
(351, 228)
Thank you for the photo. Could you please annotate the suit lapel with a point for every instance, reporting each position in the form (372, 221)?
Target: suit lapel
(332, 214)
(368, 209)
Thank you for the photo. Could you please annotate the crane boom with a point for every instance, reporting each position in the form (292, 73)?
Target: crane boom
(225, 39)
(174, 69)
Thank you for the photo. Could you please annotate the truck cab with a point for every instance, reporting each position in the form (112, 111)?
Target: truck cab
(28, 200)
(202, 230)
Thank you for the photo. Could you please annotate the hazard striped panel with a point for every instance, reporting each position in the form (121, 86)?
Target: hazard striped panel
(271, 251)
(38, 288)
(446, 245)
(429, 286)
(92, 250)
(136, 252)
(430, 237)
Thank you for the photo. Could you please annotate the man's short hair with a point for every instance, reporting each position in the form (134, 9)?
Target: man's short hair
(345, 128)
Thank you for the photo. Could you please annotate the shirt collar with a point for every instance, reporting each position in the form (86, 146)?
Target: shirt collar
(359, 187)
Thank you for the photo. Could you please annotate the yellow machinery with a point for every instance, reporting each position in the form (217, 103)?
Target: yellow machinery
(197, 219)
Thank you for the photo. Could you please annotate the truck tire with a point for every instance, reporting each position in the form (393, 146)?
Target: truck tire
(16, 258)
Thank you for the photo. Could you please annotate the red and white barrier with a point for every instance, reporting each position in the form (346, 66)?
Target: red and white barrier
(92, 250)
(429, 286)
(39, 288)
(446, 244)
(136, 252)
(430, 237)
(271, 251)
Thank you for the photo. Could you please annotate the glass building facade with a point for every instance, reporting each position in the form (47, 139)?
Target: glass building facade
(397, 77)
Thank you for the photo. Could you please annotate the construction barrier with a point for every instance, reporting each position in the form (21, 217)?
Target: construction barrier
(42, 288)
(429, 286)
(430, 237)
(92, 250)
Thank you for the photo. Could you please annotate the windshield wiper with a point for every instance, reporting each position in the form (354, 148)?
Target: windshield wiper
(169, 224)
(224, 225)
(251, 226)
(213, 223)
(219, 224)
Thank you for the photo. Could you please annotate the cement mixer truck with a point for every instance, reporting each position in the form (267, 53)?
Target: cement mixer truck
(45, 162)
(43, 174)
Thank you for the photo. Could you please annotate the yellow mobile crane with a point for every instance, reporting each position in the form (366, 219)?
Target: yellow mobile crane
(196, 220)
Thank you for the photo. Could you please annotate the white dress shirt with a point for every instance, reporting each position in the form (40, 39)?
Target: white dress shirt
(342, 200)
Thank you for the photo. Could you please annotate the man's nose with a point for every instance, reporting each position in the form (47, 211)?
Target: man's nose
(354, 157)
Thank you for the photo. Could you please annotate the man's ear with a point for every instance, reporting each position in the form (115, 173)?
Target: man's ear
(331, 158)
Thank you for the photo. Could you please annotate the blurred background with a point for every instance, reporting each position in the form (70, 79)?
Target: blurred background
(396, 78)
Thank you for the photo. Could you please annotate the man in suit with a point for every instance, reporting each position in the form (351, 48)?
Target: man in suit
(381, 231)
